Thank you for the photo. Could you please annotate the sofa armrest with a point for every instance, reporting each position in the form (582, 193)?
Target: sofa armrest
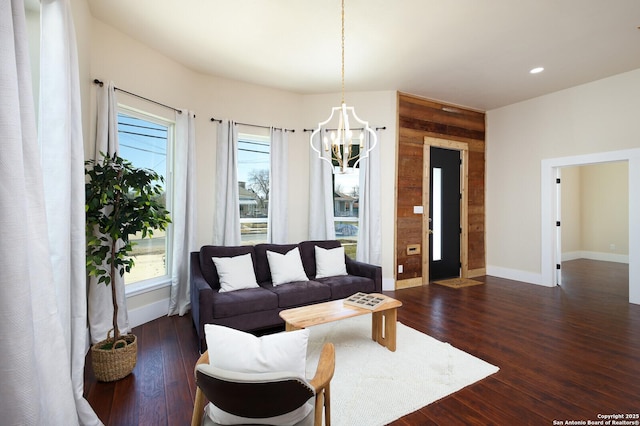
(367, 270)
(201, 298)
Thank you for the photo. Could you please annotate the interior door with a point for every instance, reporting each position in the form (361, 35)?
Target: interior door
(444, 213)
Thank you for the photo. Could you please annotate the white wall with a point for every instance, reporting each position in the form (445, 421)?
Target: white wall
(571, 218)
(136, 68)
(588, 121)
(605, 216)
(595, 212)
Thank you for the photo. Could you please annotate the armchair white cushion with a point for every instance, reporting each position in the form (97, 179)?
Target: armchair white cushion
(236, 350)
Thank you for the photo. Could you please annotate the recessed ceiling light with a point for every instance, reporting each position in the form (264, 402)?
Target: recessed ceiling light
(536, 70)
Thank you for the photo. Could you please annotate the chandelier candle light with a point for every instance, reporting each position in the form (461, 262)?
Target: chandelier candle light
(343, 148)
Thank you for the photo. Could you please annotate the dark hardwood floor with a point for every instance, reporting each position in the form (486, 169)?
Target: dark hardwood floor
(565, 353)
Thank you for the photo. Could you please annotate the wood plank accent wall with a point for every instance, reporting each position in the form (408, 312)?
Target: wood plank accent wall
(417, 118)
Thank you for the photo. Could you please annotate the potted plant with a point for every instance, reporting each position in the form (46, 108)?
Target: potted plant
(120, 201)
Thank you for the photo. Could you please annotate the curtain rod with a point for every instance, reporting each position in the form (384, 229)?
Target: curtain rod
(256, 125)
(100, 83)
(359, 128)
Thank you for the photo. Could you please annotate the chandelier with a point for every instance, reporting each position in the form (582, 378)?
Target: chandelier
(341, 149)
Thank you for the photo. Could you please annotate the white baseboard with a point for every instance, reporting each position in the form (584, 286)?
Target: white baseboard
(594, 255)
(515, 274)
(147, 313)
(534, 278)
(571, 255)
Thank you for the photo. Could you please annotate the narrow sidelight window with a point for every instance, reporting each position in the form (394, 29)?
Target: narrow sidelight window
(436, 253)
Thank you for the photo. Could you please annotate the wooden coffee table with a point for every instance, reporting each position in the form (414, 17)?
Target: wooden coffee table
(383, 317)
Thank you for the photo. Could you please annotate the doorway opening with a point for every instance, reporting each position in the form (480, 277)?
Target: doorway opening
(437, 256)
(551, 255)
(594, 214)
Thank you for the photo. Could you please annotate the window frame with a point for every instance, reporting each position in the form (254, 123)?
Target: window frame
(150, 284)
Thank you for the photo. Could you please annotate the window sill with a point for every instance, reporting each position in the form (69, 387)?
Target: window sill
(146, 286)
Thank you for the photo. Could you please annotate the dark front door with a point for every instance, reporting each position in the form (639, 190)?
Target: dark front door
(444, 214)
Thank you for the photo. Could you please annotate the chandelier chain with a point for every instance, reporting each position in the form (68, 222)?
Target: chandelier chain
(342, 51)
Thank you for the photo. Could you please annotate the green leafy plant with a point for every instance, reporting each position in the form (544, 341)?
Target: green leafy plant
(120, 201)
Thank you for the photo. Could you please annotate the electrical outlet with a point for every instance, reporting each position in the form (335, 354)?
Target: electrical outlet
(612, 247)
(400, 269)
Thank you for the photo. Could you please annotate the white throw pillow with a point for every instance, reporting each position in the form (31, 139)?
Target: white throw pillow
(235, 273)
(238, 351)
(330, 262)
(286, 268)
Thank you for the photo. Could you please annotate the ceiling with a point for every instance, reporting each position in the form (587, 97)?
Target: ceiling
(471, 53)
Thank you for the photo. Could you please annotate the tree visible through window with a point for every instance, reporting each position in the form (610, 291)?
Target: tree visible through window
(253, 187)
(144, 141)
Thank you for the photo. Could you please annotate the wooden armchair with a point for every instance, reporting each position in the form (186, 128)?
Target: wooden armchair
(263, 395)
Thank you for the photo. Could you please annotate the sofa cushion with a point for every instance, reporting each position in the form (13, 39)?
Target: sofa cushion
(300, 293)
(286, 268)
(209, 271)
(263, 273)
(235, 273)
(308, 253)
(245, 301)
(346, 285)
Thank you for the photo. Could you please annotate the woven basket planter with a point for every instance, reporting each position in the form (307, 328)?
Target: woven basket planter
(117, 362)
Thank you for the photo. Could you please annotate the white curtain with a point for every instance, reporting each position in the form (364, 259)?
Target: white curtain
(41, 360)
(100, 306)
(369, 229)
(321, 224)
(106, 121)
(227, 221)
(62, 148)
(183, 214)
(277, 232)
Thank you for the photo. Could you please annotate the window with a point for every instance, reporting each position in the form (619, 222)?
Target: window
(253, 187)
(146, 142)
(436, 224)
(346, 198)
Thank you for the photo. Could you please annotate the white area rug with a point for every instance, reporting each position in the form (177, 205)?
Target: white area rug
(374, 386)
